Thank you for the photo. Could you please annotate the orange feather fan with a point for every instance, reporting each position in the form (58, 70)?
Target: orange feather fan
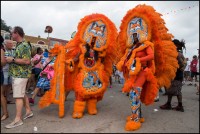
(108, 52)
(69, 73)
(165, 64)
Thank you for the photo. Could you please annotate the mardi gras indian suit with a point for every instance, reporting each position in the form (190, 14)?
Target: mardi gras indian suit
(148, 59)
(84, 65)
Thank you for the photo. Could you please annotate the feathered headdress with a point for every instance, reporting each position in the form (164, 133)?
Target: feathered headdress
(164, 49)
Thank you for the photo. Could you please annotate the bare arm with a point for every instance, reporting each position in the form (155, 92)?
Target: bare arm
(150, 55)
(23, 61)
(180, 60)
(25, 57)
(3, 60)
(18, 61)
(37, 61)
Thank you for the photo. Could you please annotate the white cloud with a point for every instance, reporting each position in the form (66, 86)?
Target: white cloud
(64, 17)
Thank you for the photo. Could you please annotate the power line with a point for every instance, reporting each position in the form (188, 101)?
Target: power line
(182, 9)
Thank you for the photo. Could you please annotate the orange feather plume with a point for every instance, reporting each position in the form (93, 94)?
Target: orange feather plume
(165, 64)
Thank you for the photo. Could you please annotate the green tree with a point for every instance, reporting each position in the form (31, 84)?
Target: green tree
(4, 26)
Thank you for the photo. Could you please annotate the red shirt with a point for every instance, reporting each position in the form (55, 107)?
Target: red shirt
(193, 65)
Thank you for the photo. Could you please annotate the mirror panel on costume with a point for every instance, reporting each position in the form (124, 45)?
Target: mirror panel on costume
(91, 81)
(139, 27)
(96, 31)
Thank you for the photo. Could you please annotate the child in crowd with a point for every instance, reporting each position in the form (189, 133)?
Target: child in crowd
(45, 77)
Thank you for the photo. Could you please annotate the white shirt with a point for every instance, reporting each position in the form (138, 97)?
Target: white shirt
(7, 54)
(187, 68)
(119, 73)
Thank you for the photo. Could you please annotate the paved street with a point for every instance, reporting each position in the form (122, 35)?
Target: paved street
(111, 117)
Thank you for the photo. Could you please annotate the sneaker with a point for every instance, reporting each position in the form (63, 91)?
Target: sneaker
(28, 115)
(14, 124)
(166, 107)
(178, 108)
(31, 100)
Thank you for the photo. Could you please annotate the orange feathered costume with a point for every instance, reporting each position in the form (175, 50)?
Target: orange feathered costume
(94, 45)
(148, 64)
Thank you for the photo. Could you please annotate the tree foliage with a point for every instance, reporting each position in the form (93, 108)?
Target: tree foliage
(4, 26)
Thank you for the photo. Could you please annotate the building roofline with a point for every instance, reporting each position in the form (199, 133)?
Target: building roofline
(56, 39)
